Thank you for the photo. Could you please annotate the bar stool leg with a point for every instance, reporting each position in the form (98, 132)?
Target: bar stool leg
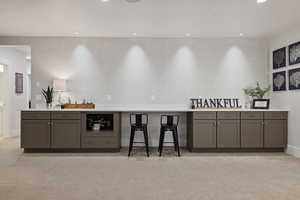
(131, 140)
(162, 138)
(145, 131)
(160, 143)
(176, 141)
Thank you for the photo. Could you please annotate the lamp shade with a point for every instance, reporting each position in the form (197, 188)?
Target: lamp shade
(1, 68)
(60, 85)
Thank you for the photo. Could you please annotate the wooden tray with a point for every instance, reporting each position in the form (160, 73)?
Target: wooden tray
(78, 106)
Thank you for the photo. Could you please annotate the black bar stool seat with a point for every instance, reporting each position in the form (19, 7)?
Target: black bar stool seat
(169, 123)
(138, 122)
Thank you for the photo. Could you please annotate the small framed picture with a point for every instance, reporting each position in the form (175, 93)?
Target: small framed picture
(279, 58)
(261, 104)
(19, 83)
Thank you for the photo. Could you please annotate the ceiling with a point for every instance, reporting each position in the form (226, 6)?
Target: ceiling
(147, 18)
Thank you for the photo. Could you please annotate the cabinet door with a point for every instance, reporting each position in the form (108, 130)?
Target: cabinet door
(66, 134)
(275, 133)
(252, 133)
(228, 134)
(204, 134)
(35, 134)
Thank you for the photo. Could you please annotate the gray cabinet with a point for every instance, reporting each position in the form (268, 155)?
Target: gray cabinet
(241, 131)
(204, 134)
(107, 138)
(67, 130)
(66, 134)
(228, 134)
(275, 133)
(35, 133)
(252, 133)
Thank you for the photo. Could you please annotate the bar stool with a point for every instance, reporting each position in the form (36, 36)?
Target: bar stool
(138, 122)
(169, 123)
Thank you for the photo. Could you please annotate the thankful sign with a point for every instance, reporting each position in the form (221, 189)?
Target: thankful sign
(215, 103)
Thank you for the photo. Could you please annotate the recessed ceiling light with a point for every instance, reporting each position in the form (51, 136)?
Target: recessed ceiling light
(134, 34)
(261, 1)
(241, 34)
(187, 34)
(105, 1)
(76, 33)
(28, 57)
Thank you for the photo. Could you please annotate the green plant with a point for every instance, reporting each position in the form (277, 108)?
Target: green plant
(48, 95)
(257, 92)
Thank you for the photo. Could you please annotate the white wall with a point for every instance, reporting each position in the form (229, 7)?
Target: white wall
(288, 99)
(16, 62)
(146, 70)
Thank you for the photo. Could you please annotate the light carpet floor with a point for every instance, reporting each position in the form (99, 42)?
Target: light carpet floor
(97, 176)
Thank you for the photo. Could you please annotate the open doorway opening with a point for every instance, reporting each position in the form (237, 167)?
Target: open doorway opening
(3, 96)
(15, 87)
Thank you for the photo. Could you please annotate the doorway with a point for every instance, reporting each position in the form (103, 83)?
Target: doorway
(3, 97)
(15, 70)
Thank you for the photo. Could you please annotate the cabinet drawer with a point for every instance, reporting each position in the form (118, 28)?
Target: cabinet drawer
(100, 142)
(275, 115)
(205, 115)
(228, 115)
(35, 115)
(66, 115)
(252, 115)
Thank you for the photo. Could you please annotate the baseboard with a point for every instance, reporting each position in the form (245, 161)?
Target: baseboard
(293, 150)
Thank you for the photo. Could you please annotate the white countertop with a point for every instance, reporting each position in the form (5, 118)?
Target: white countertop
(130, 109)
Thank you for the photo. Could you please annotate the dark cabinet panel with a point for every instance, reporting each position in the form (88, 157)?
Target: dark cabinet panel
(66, 134)
(228, 134)
(252, 115)
(275, 133)
(35, 115)
(205, 115)
(204, 134)
(35, 134)
(275, 115)
(66, 115)
(252, 133)
(100, 142)
(228, 115)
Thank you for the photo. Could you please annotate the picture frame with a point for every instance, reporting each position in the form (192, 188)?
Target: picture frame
(294, 53)
(279, 81)
(19, 83)
(294, 79)
(279, 58)
(261, 104)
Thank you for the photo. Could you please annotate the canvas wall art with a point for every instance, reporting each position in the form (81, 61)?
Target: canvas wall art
(19, 83)
(294, 53)
(279, 81)
(279, 58)
(294, 79)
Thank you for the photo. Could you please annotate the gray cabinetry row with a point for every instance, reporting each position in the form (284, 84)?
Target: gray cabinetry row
(63, 130)
(237, 130)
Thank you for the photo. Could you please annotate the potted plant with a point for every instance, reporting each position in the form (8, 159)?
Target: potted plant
(48, 95)
(256, 92)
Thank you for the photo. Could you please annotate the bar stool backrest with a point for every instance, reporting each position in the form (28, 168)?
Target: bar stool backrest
(169, 120)
(138, 119)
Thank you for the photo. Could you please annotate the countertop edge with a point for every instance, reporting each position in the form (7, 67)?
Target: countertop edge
(153, 110)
